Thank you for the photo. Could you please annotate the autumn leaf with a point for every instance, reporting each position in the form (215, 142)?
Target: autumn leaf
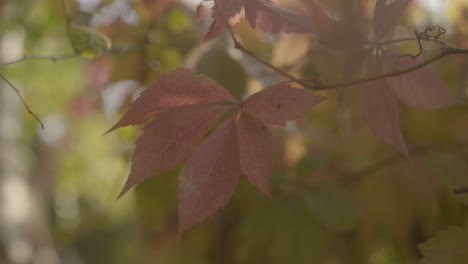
(183, 109)
(335, 31)
(210, 176)
(270, 17)
(277, 104)
(177, 88)
(422, 88)
(169, 139)
(381, 109)
(255, 148)
(231, 10)
(263, 14)
(386, 15)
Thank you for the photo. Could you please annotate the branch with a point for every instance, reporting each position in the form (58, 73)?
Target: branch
(460, 190)
(316, 85)
(66, 11)
(446, 50)
(238, 45)
(22, 100)
(115, 51)
(50, 58)
(397, 158)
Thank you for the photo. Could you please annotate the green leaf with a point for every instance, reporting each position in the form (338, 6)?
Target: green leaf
(281, 231)
(448, 247)
(331, 204)
(87, 42)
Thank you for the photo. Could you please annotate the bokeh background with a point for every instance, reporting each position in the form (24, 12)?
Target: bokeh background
(339, 194)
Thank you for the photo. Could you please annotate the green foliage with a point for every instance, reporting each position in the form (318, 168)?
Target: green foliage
(332, 205)
(449, 246)
(87, 42)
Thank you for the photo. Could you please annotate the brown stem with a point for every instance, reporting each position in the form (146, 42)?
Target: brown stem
(22, 100)
(445, 51)
(398, 158)
(460, 190)
(317, 86)
(238, 45)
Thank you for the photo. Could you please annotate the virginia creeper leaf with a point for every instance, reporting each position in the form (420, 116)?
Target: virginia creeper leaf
(277, 104)
(270, 17)
(210, 176)
(183, 108)
(200, 10)
(255, 148)
(386, 15)
(177, 88)
(169, 139)
(381, 110)
(231, 10)
(449, 246)
(422, 88)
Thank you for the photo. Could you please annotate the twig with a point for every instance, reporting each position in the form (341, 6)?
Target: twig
(115, 51)
(238, 45)
(397, 158)
(317, 86)
(50, 58)
(22, 99)
(460, 190)
(66, 11)
(446, 50)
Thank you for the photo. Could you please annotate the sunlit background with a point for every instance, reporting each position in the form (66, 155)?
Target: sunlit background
(331, 203)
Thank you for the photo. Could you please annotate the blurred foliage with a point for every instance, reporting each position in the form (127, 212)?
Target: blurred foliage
(336, 200)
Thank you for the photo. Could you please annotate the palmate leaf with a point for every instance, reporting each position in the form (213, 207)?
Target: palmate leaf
(87, 42)
(386, 15)
(183, 106)
(262, 14)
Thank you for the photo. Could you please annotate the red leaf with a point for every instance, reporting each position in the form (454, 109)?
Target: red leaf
(270, 17)
(210, 176)
(279, 103)
(200, 11)
(386, 15)
(255, 148)
(422, 88)
(382, 111)
(343, 33)
(231, 10)
(177, 88)
(169, 139)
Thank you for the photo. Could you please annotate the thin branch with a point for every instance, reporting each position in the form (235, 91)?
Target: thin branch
(447, 50)
(397, 158)
(238, 45)
(460, 190)
(114, 51)
(50, 58)
(316, 85)
(22, 99)
(66, 11)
